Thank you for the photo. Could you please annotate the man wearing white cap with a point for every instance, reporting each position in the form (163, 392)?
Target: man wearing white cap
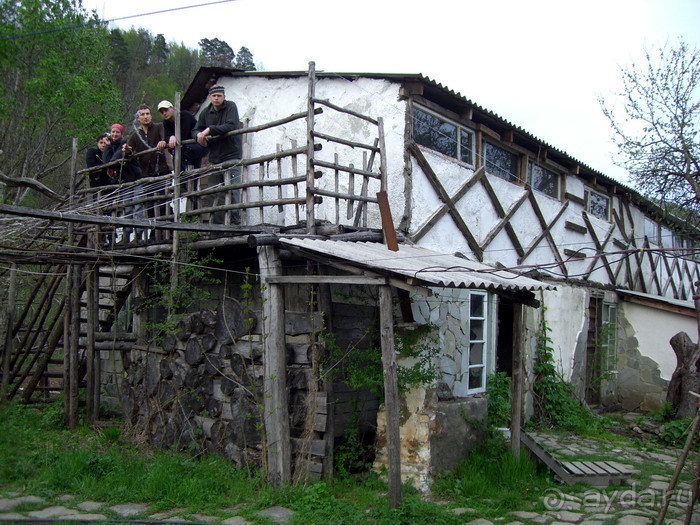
(191, 153)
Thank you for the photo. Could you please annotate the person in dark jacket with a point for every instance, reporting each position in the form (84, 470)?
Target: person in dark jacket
(93, 158)
(149, 135)
(126, 171)
(192, 154)
(214, 121)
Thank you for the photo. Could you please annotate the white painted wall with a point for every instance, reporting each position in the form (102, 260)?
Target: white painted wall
(566, 313)
(653, 330)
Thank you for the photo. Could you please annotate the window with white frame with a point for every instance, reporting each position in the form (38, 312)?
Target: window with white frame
(474, 361)
(443, 135)
(608, 338)
(543, 180)
(500, 162)
(597, 204)
(651, 231)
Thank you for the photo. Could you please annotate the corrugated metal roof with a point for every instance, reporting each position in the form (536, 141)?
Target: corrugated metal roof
(658, 298)
(426, 266)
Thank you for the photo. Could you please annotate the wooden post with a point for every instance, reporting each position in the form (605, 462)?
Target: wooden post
(382, 155)
(310, 215)
(276, 406)
(9, 328)
(72, 325)
(516, 407)
(679, 466)
(92, 307)
(176, 200)
(71, 376)
(391, 395)
(325, 306)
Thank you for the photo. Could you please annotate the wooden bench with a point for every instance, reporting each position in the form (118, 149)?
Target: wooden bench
(596, 473)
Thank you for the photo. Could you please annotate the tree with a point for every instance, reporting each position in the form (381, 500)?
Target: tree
(216, 53)
(657, 127)
(244, 60)
(55, 84)
(160, 52)
(182, 65)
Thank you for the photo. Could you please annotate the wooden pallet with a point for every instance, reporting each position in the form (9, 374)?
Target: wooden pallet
(595, 473)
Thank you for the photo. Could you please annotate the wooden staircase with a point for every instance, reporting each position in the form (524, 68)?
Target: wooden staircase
(36, 365)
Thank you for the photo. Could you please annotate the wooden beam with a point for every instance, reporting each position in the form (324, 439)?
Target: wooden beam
(325, 279)
(516, 407)
(276, 405)
(391, 395)
(444, 209)
(444, 197)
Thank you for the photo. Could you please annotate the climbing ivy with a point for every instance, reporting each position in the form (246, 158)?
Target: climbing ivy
(555, 403)
(170, 303)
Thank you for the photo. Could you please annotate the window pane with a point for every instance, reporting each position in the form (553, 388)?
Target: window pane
(500, 162)
(465, 146)
(598, 205)
(476, 376)
(434, 133)
(651, 230)
(477, 331)
(476, 305)
(476, 354)
(543, 180)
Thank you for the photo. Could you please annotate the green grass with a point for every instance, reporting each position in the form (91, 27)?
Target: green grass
(38, 456)
(493, 481)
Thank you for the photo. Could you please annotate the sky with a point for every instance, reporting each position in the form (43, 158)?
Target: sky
(540, 64)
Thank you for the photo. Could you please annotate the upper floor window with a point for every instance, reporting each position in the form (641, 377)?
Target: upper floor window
(597, 204)
(543, 180)
(651, 231)
(500, 162)
(443, 136)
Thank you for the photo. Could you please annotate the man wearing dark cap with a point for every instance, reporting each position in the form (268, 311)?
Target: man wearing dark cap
(217, 119)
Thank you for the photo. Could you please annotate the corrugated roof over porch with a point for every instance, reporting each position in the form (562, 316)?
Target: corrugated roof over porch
(422, 266)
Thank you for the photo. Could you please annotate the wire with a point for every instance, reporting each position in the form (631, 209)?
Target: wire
(91, 23)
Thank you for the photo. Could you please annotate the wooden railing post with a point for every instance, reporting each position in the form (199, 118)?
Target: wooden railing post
(310, 215)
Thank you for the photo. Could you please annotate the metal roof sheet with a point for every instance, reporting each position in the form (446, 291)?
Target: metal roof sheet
(423, 265)
(658, 298)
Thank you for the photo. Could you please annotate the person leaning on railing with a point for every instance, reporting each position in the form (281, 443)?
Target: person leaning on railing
(126, 171)
(93, 158)
(219, 118)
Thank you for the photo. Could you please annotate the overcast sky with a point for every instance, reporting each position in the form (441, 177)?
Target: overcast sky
(541, 64)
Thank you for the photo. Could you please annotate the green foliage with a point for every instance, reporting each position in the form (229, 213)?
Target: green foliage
(350, 454)
(244, 60)
(675, 433)
(555, 404)
(492, 478)
(498, 388)
(54, 85)
(363, 368)
(215, 52)
(666, 413)
(173, 303)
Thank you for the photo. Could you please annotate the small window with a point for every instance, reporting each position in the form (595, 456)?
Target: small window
(500, 162)
(608, 338)
(651, 231)
(543, 180)
(666, 237)
(443, 136)
(477, 343)
(597, 204)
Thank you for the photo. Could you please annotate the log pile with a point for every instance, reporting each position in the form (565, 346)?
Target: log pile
(201, 389)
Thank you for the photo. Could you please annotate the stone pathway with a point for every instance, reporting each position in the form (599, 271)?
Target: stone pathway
(636, 503)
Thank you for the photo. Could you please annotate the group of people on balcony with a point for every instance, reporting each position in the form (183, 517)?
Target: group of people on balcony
(209, 140)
